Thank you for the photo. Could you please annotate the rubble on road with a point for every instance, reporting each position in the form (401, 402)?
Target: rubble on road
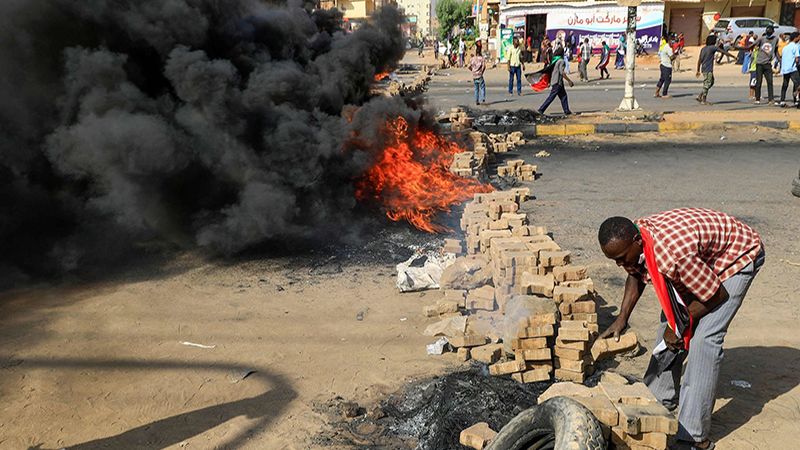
(628, 413)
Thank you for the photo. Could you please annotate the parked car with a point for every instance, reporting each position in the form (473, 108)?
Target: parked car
(733, 27)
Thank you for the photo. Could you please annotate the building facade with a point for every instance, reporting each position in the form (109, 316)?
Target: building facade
(420, 13)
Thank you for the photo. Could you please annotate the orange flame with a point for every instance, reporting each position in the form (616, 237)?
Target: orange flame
(412, 179)
(381, 75)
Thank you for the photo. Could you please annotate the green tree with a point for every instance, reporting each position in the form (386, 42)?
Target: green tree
(451, 13)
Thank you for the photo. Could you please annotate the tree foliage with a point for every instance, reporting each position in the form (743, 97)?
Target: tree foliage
(451, 13)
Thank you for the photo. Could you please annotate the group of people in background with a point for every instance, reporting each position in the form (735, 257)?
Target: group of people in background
(759, 55)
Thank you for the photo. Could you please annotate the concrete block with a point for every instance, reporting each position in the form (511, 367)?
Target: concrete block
(463, 354)
(477, 436)
(531, 376)
(569, 364)
(587, 317)
(504, 368)
(607, 348)
(539, 319)
(583, 307)
(641, 440)
(573, 345)
(500, 224)
(540, 365)
(652, 418)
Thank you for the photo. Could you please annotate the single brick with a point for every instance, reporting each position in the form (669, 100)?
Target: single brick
(534, 354)
(575, 334)
(477, 436)
(504, 368)
(606, 348)
(531, 376)
(539, 365)
(585, 307)
(537, 284)
(602, 408)
(528, 343)
(568, 353)
(554, 258)
(568, 375)
(631, 394)
(589, 317)
(579, 324)
(613, 378)
(463, 354)
(569, 364)
(487, 354)
(540, 319)
(572, 345)
(500, 224)
(538, 331)
(469, 340)
(570, 294)
(566, 389)
(587, 283)
(569, 273)
(653, 418)
(542, 246)
(446, 306)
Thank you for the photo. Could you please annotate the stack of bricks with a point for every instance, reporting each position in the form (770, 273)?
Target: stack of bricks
(504, 142)
(459, 120)
(517, 168)
(481, 146)
(469, 165)
(524, 260)
(630, 416)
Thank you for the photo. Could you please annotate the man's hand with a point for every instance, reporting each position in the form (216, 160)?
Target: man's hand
(571, 84)
(672, 340)
(615, 329)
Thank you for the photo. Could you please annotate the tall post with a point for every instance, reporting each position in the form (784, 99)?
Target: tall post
(629, 102)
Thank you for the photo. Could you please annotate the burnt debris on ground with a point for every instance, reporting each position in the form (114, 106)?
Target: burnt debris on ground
(429, 414)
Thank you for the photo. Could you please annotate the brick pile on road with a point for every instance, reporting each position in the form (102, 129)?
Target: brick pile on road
(514, 300)
(630, 416)
(518, 169)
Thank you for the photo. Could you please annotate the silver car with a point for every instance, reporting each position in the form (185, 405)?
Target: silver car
(733, 27)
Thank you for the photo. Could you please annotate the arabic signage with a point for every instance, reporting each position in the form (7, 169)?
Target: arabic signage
(606, 23)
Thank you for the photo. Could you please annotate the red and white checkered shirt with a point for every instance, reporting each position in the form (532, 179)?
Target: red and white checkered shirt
(699, 248)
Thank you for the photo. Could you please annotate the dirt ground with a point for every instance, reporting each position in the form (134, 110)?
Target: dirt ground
(103, 364)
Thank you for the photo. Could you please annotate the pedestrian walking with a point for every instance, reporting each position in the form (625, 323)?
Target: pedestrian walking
(705, 65)
(515, 67)
(751, 70)
(677, 48)
(546, 51)
(665, 55)
(477, 64)
(605, 55)
(790, 62)
(567, 57)
(421, 46)
(766, 45)
(701, 264)
(557, 78)
(585, 55)
(620, 61)
(462, 52)
(436, 49)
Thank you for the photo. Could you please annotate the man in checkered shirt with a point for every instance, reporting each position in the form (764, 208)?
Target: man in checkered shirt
(710, 258)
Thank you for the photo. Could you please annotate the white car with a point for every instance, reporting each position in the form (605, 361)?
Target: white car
(733, 27)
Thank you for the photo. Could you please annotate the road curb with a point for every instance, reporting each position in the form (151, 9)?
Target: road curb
(572, 129)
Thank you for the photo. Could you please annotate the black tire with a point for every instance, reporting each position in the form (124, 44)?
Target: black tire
(559, 423)
(796, 187)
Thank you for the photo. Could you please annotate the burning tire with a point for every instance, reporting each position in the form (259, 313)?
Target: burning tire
(559, 423)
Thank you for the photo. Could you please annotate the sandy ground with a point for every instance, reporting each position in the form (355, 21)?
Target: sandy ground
(101, 364)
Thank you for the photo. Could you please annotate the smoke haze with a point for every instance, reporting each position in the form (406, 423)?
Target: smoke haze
(219, 124)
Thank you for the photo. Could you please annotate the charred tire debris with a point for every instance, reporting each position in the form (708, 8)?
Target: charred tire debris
(559, 423)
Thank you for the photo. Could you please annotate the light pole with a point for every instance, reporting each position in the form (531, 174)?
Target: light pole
(629, 102)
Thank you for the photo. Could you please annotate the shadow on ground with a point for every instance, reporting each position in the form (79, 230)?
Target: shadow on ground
(266, 407)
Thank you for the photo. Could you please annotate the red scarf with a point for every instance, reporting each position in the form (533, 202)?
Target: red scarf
(674, 308)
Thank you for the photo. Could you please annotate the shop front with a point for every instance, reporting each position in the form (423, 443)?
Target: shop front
(596, 22)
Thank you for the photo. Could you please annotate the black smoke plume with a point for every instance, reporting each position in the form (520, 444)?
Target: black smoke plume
(218, 124)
